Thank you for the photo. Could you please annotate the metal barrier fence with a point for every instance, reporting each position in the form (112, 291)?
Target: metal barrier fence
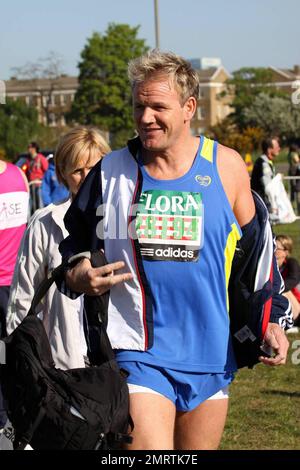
(290, 179)
(36, 201)
(35, 195)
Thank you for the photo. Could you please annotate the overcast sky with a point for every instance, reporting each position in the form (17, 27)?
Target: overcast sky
(240, 32)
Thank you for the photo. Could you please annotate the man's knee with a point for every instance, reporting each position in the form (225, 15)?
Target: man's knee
(153, 416)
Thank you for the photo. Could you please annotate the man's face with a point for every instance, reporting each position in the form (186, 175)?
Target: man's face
(159, 115)
(275, 150)
(31, 150)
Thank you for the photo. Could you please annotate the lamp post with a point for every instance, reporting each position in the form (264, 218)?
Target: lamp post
(156, 24)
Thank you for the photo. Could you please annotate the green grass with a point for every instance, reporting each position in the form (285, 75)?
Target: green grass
(265, 406)
(281, 158)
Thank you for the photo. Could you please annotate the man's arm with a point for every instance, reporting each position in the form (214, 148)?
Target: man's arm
(277, 340)
(95, 281)
(81, 221)
(236, 183)
(44, 163)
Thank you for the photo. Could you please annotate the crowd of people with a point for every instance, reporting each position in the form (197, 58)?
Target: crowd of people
(167, 276)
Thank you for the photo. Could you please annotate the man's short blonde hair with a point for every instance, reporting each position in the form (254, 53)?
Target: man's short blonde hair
(155, 64)
(75, 145)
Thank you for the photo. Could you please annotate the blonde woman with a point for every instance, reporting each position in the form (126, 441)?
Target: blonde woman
(77, 152)
(290, 271)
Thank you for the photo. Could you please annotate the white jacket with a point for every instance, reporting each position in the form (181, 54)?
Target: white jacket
(62, 317)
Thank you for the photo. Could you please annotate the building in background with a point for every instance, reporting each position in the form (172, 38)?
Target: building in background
(212, 107)
(284, 79)
(51, 97)
(204, 63)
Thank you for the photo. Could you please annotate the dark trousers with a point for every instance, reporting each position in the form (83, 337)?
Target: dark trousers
(4, 295)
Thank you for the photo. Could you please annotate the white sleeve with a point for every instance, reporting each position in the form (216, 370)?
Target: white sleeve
(267, 175)
(30, 270)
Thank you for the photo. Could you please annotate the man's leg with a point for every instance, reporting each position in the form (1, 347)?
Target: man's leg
(201, 428)
(153, 416)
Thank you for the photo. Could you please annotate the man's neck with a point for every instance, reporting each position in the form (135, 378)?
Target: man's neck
(173, 162)
(270, 157)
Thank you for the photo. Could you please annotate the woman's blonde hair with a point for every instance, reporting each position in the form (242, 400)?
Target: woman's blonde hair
(74, 145)
(156, 63)
(286, 242)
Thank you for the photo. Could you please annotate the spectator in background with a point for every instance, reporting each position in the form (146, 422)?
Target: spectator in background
(76, 154)
(294, 170)
(37, 165)
(264, 169)
(290, 271)
(13, 219)
(52, 190)
(297, 189)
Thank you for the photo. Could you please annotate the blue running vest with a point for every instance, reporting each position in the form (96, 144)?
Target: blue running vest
(188, 233)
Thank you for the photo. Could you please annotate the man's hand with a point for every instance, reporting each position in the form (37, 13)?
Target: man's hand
(85, 279)
(277, 340)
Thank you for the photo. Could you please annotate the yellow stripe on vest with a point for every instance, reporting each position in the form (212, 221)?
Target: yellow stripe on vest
(232, 239)
(207, 149)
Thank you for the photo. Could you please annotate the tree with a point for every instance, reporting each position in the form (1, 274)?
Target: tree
(49, 68)
(103, 97)
(246, 141)
(276, 115)
(18, 125)
(246, 84)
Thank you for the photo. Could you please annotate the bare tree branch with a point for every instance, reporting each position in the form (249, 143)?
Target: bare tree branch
(50, 68)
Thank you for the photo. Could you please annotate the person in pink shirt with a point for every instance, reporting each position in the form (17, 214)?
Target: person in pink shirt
(13, 220)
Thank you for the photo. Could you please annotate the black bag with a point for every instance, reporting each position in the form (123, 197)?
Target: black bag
(49, 408)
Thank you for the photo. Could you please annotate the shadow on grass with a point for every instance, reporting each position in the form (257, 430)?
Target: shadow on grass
(283, 393)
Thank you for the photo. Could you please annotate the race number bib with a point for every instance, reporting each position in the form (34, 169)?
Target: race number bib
(169, 225)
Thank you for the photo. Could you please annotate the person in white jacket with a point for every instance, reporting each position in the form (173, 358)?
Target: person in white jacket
(76, 154)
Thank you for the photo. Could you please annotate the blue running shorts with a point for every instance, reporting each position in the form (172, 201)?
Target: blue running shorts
(186, 390)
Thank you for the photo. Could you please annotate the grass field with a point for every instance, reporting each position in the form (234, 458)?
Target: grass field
(265, 406)
(265, 402)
